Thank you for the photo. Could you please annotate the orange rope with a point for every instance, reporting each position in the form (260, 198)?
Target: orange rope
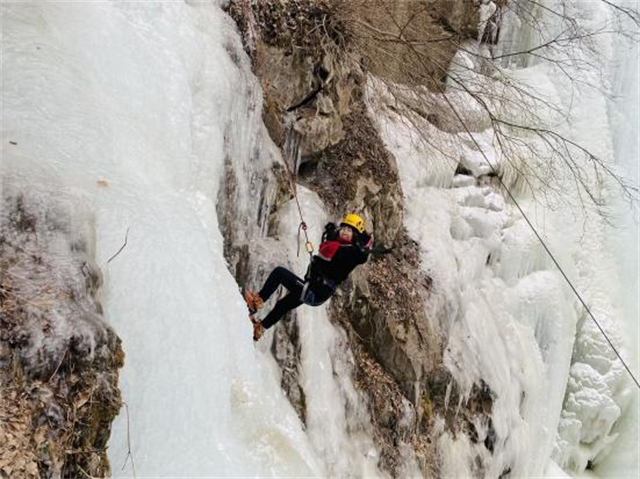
(303, 225)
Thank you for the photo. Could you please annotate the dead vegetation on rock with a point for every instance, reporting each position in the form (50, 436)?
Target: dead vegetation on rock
(361, 155)
(294, 25)
(59, 361)
(394, 418)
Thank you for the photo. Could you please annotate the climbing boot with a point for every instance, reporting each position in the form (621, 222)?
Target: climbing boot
(257, 329)
(254, 301)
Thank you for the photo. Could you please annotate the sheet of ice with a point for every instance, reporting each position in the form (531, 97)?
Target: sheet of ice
(510, 318)
(624, 108)
(130, 108)
(486, 10)
(555, 471)
(599, 389)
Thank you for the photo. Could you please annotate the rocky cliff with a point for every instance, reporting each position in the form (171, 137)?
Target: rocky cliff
(59, 360)
(313, 59)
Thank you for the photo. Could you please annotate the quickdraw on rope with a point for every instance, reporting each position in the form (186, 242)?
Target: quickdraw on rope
(308, 244)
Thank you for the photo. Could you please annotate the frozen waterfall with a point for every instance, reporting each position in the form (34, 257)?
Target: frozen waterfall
(559, 390)
(133, 109)
(128, 108)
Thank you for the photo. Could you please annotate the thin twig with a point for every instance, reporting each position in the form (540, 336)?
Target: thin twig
(58, 366)
(129, 453)
(126, 237)
(86, 473)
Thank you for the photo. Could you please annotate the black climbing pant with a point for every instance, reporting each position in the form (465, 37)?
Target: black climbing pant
(284, 277)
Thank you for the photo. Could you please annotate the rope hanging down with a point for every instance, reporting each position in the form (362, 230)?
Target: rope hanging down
(292, 151)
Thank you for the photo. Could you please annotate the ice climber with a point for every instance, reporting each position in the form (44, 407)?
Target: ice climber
(341, 250)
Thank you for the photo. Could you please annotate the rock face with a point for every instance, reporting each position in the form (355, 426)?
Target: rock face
(312, 58)
(312, 97)
(385, 298)
(410, 42)
(59, 360)
(296, 50)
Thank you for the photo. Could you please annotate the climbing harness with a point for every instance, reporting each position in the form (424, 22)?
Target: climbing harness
(312, 298)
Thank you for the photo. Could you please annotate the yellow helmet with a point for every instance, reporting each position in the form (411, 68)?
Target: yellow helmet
(354, 221)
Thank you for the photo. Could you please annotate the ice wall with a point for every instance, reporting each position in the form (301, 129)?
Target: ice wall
(624, 105)
(623, 109)
(599, 390)
(141, 112)
(131, 108)
(506, 312)
(511, 320)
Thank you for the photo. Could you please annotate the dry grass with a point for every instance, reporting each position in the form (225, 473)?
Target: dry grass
(408, 42)
(309, 27)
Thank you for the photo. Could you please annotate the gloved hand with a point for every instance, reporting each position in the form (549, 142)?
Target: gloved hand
(330, 232)
(369, 243)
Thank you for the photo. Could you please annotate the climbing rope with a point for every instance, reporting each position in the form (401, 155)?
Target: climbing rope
(292, 150)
